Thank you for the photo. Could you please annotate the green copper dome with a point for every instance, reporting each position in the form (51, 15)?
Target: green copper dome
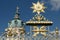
(16, 22)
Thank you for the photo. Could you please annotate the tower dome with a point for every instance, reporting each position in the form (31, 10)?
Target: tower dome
(15, 27)
(16, 22)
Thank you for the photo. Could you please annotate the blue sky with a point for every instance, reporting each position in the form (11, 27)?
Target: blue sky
(8, 9)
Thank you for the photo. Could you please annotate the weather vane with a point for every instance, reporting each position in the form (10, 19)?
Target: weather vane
(38, 7)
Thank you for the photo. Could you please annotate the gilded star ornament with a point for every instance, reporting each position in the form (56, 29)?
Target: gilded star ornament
(38, 7)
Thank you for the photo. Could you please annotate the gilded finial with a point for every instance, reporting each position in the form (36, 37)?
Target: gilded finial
(56, 31)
